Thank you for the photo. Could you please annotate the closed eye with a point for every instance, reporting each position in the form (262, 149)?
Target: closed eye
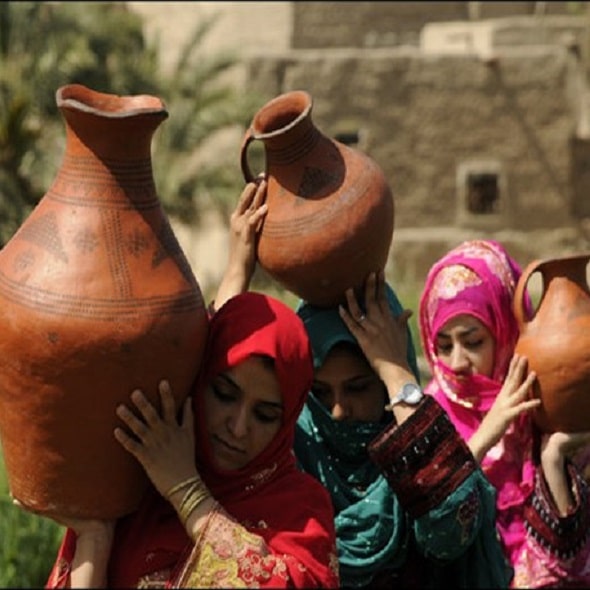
(359, 385)
(224, 391)
(474, 345)
(444, 349)
(323, 394)
(268, 414)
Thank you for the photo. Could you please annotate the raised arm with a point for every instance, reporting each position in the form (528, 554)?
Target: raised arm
(91, 542)
(383, 339)
(245, 225)
(556, 448)
(166, 450)
(223, 549)
(510, 402)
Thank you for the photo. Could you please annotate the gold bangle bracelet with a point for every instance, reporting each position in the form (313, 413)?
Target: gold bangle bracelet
(188, 495)
(183, 484)
(190, 507)
(195, 496)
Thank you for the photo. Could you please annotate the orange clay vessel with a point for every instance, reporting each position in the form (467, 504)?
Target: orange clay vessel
(96, 299)
(556, 341)
(330, 210)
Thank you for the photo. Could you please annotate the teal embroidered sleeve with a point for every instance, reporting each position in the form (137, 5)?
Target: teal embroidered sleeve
(437, 481)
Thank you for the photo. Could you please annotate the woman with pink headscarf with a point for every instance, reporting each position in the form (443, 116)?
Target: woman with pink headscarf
(469, 332)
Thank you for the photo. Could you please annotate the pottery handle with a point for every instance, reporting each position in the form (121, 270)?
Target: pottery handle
(248, 138)
(518, 301)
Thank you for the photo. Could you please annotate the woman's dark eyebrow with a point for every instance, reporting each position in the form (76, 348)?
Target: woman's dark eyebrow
(367, 375)
(361, 377)
(465, 332)
(230, 381)
(276, 405)
(469, 331)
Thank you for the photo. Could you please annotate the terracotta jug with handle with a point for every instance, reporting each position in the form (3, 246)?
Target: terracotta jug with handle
(330, 209)
(556, 341)
(96, 299)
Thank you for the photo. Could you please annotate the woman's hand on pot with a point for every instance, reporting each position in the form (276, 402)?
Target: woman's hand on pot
(91, 527)
(244, 228)
(512, 400)
(245, 224)
(558, 446)
(382, 336)
(165, 448)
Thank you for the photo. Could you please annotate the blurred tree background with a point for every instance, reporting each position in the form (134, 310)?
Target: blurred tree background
(102, 45)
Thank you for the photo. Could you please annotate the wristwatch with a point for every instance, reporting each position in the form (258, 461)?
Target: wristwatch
(410, 393)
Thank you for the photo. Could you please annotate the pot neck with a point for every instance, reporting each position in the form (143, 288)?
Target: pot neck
(109, 126)
(293, 144)
(573, 270)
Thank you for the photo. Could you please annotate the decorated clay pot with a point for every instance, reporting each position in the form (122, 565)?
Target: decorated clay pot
(556, 341)
(96, 299)
(330, 210)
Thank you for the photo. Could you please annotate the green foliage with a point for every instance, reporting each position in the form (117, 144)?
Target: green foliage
(28, 547)
(28, 543)
(44, 45)
(3, 481)
(202, 103)
(577, 8)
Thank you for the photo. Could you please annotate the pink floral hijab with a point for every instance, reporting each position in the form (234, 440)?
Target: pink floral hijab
(478, 278)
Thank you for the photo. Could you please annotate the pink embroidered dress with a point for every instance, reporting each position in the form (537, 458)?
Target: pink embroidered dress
(478, 278)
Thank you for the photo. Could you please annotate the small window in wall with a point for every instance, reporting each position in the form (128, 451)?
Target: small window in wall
(347, 137)
(482, 199)
(483, 193)
(350, 132)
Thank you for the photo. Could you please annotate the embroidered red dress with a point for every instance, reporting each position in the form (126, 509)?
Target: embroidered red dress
(274, 525)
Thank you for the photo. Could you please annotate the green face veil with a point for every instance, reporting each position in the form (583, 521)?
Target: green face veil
(368, 518)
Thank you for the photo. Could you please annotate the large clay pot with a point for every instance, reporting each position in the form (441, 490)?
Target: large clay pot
(330, 210)
(556, 341)
(96, 299)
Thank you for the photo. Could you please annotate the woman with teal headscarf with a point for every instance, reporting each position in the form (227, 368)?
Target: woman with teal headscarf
(412, 506)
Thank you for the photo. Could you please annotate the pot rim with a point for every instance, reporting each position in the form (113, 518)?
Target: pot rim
(293, 95)
(82, 98)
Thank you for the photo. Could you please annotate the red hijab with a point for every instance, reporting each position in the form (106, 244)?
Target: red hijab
(262, 495)
(247, 325)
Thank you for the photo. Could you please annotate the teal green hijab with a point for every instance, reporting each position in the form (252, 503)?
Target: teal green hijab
(370, 525)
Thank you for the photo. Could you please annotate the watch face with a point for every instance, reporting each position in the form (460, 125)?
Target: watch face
(411, 393)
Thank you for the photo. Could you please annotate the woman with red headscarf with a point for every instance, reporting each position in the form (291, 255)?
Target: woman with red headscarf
(228, 507)
(469, 333)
